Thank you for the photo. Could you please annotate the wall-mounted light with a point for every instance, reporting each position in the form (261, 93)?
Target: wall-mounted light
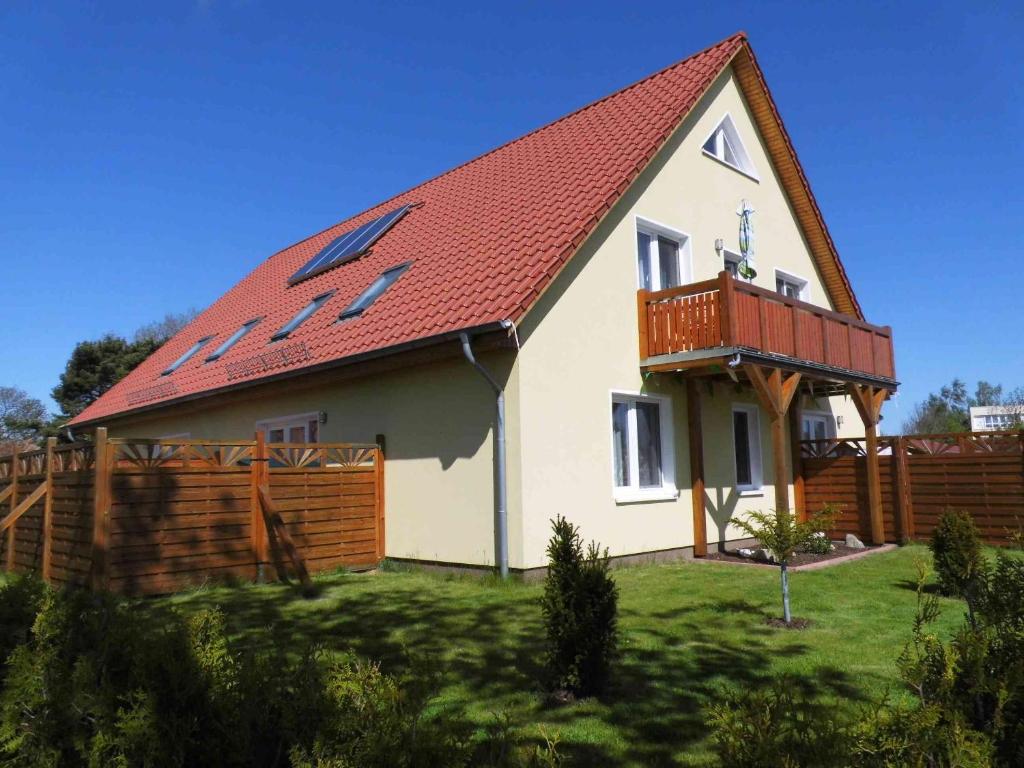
(839, 422)
(322, 417)
(719, 245)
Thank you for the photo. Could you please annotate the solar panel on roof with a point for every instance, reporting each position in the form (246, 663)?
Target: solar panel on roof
(349, 245)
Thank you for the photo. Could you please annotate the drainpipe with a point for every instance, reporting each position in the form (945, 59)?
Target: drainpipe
(499, 470)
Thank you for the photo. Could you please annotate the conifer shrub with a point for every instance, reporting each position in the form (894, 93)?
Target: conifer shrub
(957, 553)
(580, 608)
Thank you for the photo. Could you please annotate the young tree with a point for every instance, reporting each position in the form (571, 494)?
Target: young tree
(780, 532)
(22, 419)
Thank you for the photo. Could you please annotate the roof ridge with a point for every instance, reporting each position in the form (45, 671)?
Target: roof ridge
(736, 37)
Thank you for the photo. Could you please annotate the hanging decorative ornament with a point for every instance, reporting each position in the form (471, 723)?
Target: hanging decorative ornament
(745, 269)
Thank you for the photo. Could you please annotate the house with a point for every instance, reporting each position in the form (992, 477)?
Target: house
(581, 284)
(993, 418)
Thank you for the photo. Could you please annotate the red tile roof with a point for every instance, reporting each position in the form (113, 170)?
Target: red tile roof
(485, 239)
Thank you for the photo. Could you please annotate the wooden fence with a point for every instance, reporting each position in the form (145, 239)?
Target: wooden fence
(153, 516)
(921, 477)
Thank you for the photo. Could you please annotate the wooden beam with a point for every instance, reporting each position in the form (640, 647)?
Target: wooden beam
(104, 460)
(868, 401)
(7, 524)
(799, 496)
(695, 434)
(47, 533)
(14, 505)
(258, 475)
(378, 465)
(901, 474)
(5, 493)
(776, 394)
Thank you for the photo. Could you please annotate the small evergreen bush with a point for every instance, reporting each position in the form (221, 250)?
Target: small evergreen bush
(580, 607)
(20, 600)
(957, 553)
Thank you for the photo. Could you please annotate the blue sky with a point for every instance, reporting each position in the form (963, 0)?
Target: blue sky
(152, 153)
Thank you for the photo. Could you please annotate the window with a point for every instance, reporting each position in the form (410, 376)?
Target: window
(746, 433)
(303, 428)
(817, 426)
(643, 466)
(790, 285)
(187, 356)
(303, 315)
(371, 294)
(662, 256)
(999, 421)
(731, 263)
(724, 144)
(230, 341)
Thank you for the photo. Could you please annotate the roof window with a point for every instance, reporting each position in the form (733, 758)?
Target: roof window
(371, 294)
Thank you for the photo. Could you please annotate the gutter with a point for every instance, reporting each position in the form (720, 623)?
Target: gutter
(500, 479)
(376, 354)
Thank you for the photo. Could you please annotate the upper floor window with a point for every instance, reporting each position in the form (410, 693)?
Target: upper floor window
(187, 356)
(303, 315)
(642, 458)
(790, 285)
(725, 145)
(662, 257)
(377, 287)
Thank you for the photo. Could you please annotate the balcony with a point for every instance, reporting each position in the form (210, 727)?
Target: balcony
(705, 324)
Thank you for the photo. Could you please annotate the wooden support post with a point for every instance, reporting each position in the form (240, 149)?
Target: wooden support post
(258, 475)
(776, 393)
(378, 464)
(47, 526)
(103, 470)
(901, 492)
(727, 308)
(868, 401)
(696, 440)
(9, 566)
(799, 497)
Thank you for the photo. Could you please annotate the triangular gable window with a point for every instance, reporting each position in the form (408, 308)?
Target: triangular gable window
(725, 144)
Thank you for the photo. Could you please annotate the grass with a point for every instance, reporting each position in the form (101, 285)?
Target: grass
(687, 630)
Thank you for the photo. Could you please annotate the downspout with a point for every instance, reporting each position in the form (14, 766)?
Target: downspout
(499, 470)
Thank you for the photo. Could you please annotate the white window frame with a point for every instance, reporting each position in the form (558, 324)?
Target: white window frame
(790, 277)
(287, 422)
(684, 251)
(728, 254)
(828, 418)
(633, 492)
(756, 458)
(728, 126)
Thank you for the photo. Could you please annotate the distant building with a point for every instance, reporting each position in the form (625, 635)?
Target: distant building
(989, 418)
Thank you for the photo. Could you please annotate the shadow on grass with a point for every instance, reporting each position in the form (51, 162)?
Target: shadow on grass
(487, 642)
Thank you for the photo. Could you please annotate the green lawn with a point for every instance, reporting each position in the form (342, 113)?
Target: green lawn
(687, 630)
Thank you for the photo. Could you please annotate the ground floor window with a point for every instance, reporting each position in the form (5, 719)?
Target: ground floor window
(302, 428)
(642, 456)
(817, 426)
(746, 432)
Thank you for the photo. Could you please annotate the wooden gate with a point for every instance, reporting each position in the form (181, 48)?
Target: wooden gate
(153, 516)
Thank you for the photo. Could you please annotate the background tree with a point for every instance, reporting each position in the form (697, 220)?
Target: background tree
(97, 365)
(22, 420)
(948, 410)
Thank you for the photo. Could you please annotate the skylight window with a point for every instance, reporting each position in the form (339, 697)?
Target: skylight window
(302, 317)
(349, 246)
(187, 356)
(371, 294)
(724, 144)
(231, 340)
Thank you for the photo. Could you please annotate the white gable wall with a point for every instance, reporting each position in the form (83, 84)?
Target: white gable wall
(580, 343)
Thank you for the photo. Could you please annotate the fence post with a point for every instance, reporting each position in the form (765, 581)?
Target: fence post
(257, 525)
(103, 472)
(379, 476)
(902, 490)
(47, 531)
(14, 505)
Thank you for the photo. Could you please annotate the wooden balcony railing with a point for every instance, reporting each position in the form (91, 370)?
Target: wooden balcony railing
(725, 312)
